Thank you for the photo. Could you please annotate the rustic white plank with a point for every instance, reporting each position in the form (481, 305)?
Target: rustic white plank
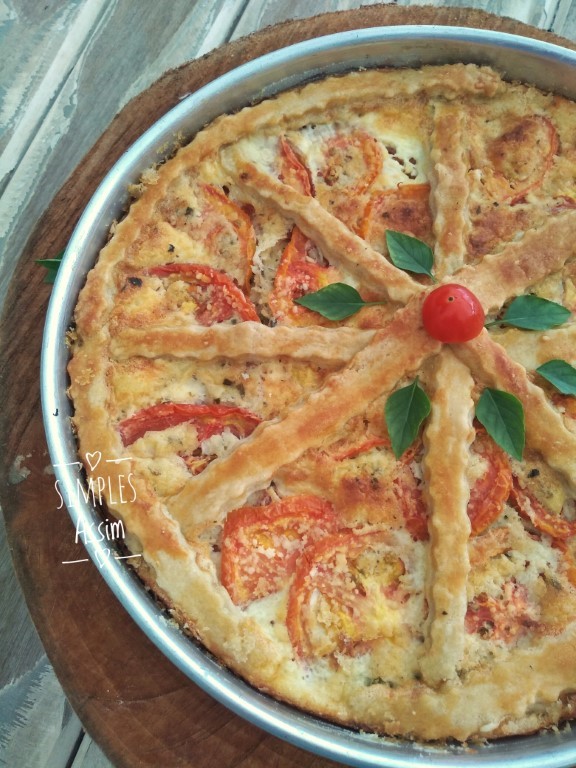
(28, 106)
(89, 755)
(38, 728)
(195, 32)
(128, 47)
(30, 40)
(564, 22)
(539, 13)
(262, 13)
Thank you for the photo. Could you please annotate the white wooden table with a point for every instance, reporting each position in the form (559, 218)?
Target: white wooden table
(66, 68)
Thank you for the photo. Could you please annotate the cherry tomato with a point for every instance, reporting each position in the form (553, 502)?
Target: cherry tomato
(262, 545)
(452, 314)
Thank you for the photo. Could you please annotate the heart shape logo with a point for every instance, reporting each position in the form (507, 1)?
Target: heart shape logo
(101, 558)
(93, 459)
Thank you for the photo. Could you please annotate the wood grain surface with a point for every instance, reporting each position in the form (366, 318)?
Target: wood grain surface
(140, 709)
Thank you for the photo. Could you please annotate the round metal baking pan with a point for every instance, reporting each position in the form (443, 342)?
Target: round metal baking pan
(547, 66)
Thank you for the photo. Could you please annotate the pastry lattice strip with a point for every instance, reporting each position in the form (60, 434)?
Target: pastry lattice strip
(447, 437)
(522, 263)
(553, 344)
(449, 189)
(296, 108)
(337, 243)
(247, 340)
(227, 482)
(545, 428)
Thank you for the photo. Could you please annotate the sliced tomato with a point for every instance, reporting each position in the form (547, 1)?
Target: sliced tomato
(564, 203)
(363, 432)
(521, 157)
(216, 295)
(528, 506)
(409, 493)
(348, 166)
(405, 208)
(345, 593)
(293, 169)
(221, 214)
(351, 450)
(490, 492)
(261, 545)
(351, 162)
(487, 495)
(298, 273)
(506, 617)
(208, 420)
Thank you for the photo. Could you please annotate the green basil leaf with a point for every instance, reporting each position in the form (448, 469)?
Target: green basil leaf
(534, 314)
(405, 410)
(51, 266)
(409, 253)
(503, 416)
(336, 301)
(561, 374)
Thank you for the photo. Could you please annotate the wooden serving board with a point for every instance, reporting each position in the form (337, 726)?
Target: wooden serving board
(139, 708)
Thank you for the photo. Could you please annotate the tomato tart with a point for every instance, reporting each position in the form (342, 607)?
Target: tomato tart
(358, 511)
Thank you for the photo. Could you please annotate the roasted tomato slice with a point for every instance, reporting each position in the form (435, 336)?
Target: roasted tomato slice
(409, 493)
(521, 157)
(351, 450)
(487, 495)
(208, 419)
(293, 169)
(215, 296)
(490, 491)
(298, 273)
(346, 593)
(223, 214)
(564, 203)
(405, 208)
(348, 166)
(528, 506)
(506, 617)
(351, 162)
(261, 545)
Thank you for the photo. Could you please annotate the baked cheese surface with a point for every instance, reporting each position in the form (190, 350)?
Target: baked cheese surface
(429, 595)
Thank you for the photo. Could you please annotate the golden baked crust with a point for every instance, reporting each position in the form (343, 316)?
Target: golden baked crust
(420, 596)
